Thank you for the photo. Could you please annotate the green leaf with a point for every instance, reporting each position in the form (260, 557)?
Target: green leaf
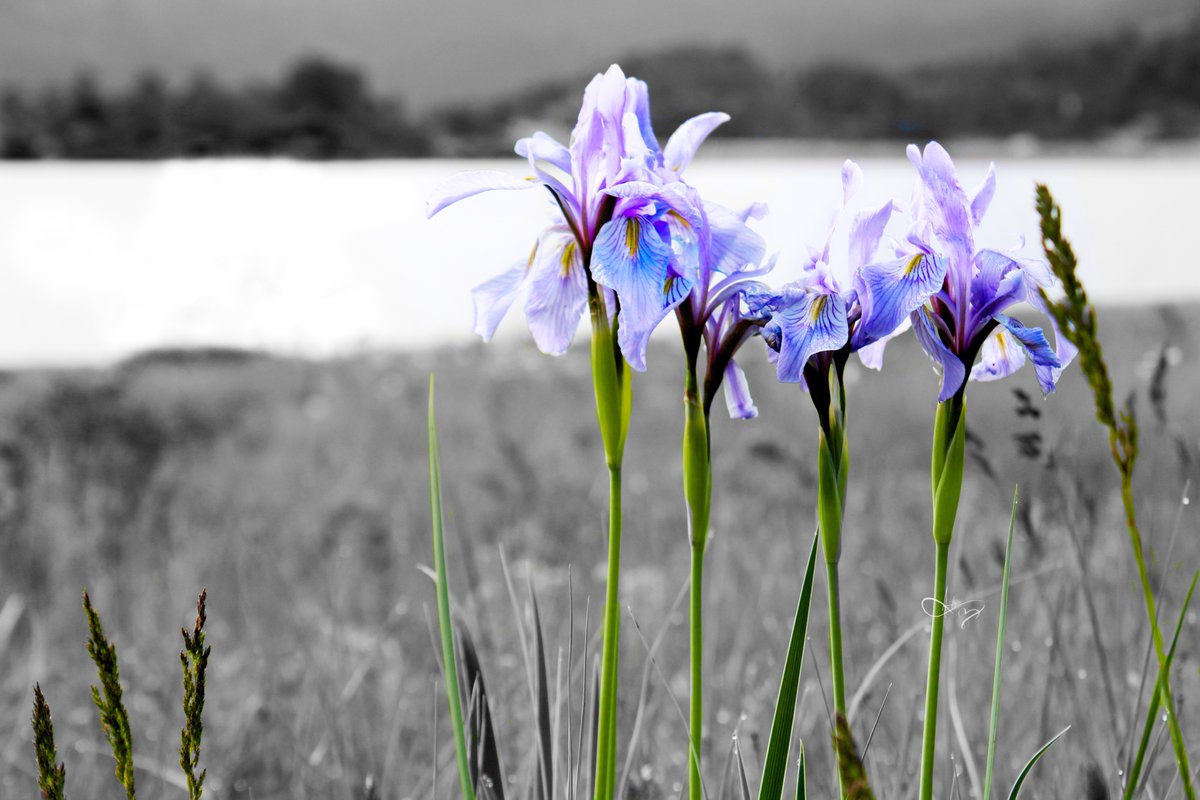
(1029, 764)
(445, 626)
(779, 745)
(948, 470)
(1000, 629)
(801, 782)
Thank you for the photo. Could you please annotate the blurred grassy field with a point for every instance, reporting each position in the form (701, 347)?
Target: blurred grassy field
(297, 493)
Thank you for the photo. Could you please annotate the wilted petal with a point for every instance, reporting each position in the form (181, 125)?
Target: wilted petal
(492, 298)
(737, 393)
(952, 369)
(557, 294)
(470, 183)
(1000, 356)
(808, 323)
(890, 291)
(686, 140)
(865, 232)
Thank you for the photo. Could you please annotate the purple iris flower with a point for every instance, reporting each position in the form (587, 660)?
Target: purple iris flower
(714, 312)
(626, 225)
(961, 322)
(816, 319)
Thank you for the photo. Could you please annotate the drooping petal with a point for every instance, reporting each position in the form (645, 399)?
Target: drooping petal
(1000, 356)
(557, 295)
(631, 257)
(737, 393)
(806, 324)
(734, 245)
(686, 140)
(865, 232)
(890, 291)
(1032, 339)
(470, 183)
(871, 355)
(492, 298)
(951, 366)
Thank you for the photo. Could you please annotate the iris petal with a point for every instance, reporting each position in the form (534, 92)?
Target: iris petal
(631, 258)
(983, 195)
(952, 369)
(890, 291)
(1000, 356)
(811, 323)
(470, 183)
(686, 140)
(735, 245)
(737, 393)
(865, 232)
(492, 299)
(557, 295)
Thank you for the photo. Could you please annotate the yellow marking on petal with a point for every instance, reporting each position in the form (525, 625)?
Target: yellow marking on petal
(913, 263)
(679, 217)
(668, 283)
(817, 306)
(568, 258)
(532, 256)
(1002, 345)
(633, 235)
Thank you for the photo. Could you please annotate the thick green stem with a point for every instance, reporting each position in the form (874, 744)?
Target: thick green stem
(929, 739)
(697, 491)
(606, 737)
(835, 651)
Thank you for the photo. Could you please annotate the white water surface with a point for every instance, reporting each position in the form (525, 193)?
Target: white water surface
(100, 261)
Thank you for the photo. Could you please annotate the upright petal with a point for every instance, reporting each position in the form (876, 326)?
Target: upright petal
(852, 180)
(686, 140)
(983, 195)
(865, 232)
(950, 365)
(492, 298)
(557, 294)
(737, 393)
(472, 182)
(946, 207)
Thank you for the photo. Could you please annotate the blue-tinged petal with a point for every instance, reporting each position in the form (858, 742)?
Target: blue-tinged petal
(1032, 339)
(734, 245)
(1063, 348)
(557, 295)
(951, 366)
(638, 102)
(686, 140)
(1000, 356)
(737, 393)
(865, 232)
(890, 291)
(544, 147)
(947, 208)
(993, 269)
(470, 183)
(492, 298)
(633, 344)
(852, 180)
(871, 355)
(983, 195)
(810, 323)
(631, 257)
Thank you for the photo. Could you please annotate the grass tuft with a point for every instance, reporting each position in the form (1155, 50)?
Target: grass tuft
(52, 776)
(194, 658)
(113, 718)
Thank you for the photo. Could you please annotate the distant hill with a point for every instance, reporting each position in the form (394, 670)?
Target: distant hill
(429, 54)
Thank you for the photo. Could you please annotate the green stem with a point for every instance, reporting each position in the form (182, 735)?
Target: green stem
(835, 650)
(606, 738)
(935, 667)
(696, 720)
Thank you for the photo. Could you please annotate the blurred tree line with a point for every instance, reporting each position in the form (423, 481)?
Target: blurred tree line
(320, 109)
(1139, 85)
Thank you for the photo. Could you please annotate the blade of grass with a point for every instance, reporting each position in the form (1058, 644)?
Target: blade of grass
(481, 735)
(445, 626)
(545, 733)
(778, 746)
(1032, 761)
(1001, 627)
(743, 784)
(801, 780)
(1156, 699)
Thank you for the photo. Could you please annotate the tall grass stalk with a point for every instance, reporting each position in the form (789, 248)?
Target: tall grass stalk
(1076, 318)
(445, 625)
(946, 474)
(614, 397)
(194, 659)
(114, 719)
(52, 776)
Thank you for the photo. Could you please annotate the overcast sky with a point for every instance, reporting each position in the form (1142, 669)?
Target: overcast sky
(432, 52)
